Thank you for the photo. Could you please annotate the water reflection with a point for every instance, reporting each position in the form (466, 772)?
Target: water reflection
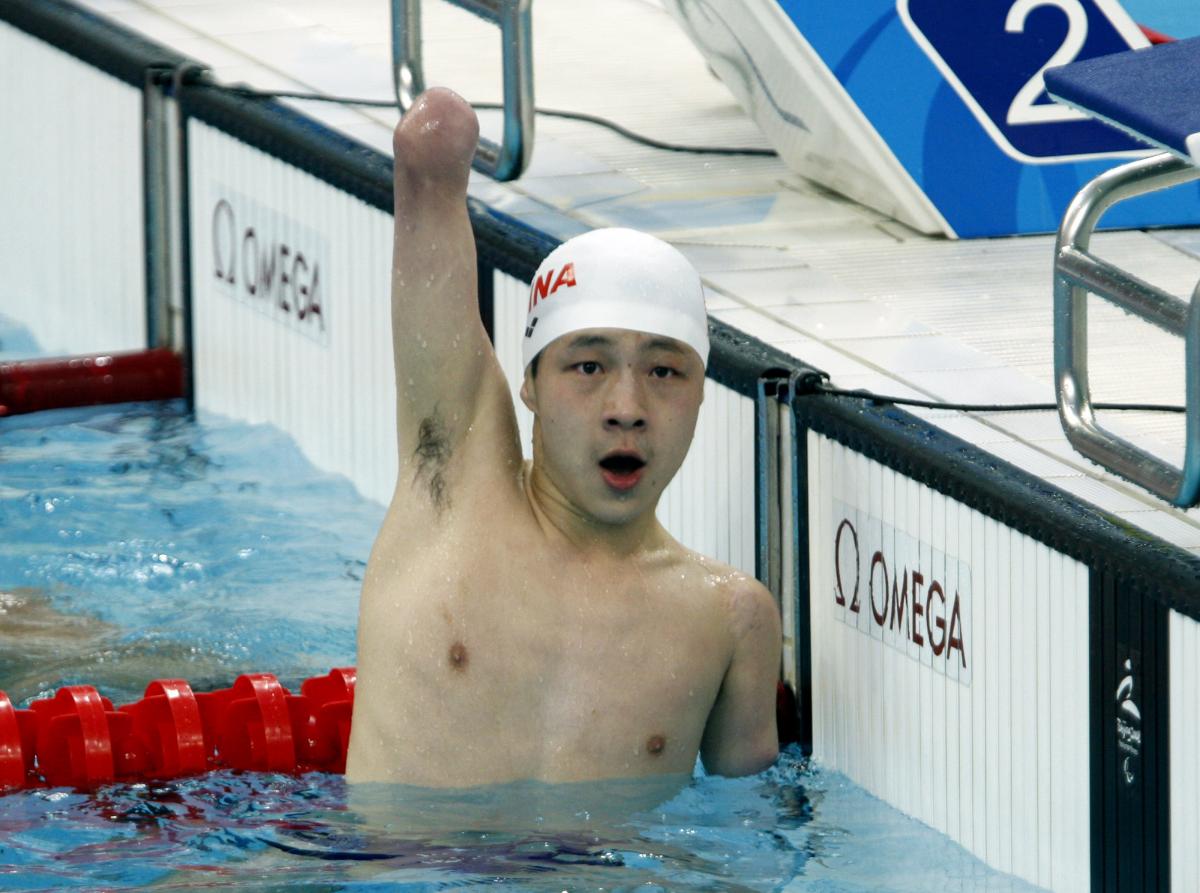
(144, 543)
(276, 832)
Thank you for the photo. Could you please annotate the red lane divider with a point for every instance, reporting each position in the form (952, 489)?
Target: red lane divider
(16, 745)
(167, 725)
(321, 719)
(32, 385)
(251, 727)
(74, 743)
(78, 739)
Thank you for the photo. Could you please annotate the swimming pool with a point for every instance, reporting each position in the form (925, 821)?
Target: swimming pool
(142, 542)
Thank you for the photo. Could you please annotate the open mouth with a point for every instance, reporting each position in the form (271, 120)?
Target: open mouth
(622, 471)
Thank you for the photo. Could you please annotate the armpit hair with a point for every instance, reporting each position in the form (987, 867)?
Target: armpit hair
(432, 453)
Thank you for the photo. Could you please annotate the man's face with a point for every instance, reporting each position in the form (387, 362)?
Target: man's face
(616, 411)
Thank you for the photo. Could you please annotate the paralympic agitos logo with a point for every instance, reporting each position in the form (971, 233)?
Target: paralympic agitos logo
(904, 593)
(266, 271)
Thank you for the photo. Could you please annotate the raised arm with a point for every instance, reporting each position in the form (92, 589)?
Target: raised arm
(448, 382)
(740, 737)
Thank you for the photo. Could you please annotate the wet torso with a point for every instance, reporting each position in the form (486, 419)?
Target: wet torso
(489, 649)
(501, 655)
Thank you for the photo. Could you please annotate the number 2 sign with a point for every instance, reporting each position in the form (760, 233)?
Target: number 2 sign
(993, 53)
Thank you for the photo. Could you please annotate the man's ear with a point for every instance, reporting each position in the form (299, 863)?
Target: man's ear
(529, 390)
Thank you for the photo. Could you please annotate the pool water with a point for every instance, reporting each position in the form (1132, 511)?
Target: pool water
(142, 542)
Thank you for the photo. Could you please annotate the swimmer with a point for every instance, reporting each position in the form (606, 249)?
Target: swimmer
(533, 620)
(43, 648)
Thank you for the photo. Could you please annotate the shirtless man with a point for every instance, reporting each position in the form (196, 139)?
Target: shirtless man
(534, 620)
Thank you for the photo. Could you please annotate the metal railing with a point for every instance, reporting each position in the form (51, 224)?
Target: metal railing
(507, 160)
(1078, 273)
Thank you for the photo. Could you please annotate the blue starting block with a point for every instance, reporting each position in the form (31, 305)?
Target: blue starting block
(1149, 94)
(1153, 95)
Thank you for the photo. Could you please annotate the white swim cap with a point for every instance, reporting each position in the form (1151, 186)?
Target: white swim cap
(616, 279)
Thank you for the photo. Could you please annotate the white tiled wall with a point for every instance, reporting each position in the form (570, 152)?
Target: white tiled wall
(992, 750)
(72, 248)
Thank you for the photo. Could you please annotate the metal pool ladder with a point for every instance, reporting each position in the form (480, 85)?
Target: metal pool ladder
(507, 160)
(1078, 272)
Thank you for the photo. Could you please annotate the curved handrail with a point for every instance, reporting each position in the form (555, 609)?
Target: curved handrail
(509, 159)
(1077, 273)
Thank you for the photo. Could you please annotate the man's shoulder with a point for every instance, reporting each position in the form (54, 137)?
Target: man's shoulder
(744, 599)
(716, 573)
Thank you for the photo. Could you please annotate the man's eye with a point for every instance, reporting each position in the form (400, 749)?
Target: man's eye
(588, 367)
(663, 372)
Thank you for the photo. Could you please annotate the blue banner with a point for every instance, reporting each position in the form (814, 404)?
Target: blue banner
(955, 90)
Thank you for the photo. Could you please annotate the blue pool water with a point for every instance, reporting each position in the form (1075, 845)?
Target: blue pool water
(140, 542)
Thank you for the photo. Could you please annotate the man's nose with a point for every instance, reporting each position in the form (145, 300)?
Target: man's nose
(624, 406)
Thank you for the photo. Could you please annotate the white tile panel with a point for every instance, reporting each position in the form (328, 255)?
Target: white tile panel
(73, 248)
(990, 747)
(1184, 710)
(709, 506)
(849, 319)
(510, 305)
(327, 379)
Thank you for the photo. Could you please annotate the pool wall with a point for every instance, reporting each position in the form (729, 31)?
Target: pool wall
(1005, 665)
(71, 180)
(291, 311)
(950, 665)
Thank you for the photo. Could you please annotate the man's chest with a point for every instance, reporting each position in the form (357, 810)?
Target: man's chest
(561, 635)
(562, 670)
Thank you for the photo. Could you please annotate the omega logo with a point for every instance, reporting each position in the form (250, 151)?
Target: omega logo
(897, 600)
(265, 271)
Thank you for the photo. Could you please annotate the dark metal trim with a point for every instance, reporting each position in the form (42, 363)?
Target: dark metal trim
(156, 223)
(486, 290)
(765, 474)
(1130, 801)
(803, 630)
(185, 260)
